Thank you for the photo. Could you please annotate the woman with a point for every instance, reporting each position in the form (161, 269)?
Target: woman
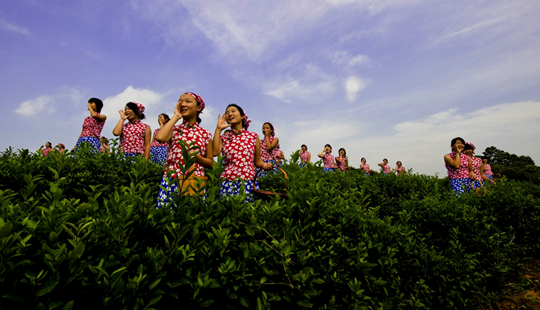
(47, 149)
(385, 166)
(487, 168)
(158, 150)
(279, 157)
(400, 169)
(328, 160)
(478, 170)
(188, 108)
(60, 147)
(364, 166)
(134, 135)
(92, 126)
(242, 151)
(269, 146)
(105, 148)
(305, 156)
(459, 169)
(342, 162)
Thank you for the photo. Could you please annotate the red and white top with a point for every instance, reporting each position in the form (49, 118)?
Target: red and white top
(341, 165)
(156, 143)
(386, 168)
(304, 156)
(46, 151)
(187, 133)
(132, 137)
(400, 170)
(328, 161)
(239, 152)
(487, 169)
(92, 127)
(365, 167)
(268, 154)
(458, 173)
(476, 164)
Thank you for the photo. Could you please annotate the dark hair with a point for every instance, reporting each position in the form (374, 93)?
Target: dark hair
(166, 117)
(135, 109)
(385, 159)
(468, 147)
(239, 110)
(328, 145)
(398, 162)
(98, 103)
(271, 127)
(363, 158)
(343, 151)
(49, 143)
(304, 145)
(455, 140)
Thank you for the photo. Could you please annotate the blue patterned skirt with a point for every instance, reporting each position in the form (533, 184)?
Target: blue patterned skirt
(459, 186)
(325, 170)
(264, 173)
(158, 154)
(95, 144)
(168, 191)
(232, 188)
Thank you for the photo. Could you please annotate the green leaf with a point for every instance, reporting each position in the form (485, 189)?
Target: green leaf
(206, 303)
(5, 229)
(47, 288)
(79, 250)
(16, 296)
(244, 301)
(68, 305)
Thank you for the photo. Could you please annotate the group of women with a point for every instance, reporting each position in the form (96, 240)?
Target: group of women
(242, 150)
(466, 171)
(341, 162)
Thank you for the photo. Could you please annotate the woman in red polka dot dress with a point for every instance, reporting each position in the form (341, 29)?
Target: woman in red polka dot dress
(242, 151)
(187, 109)
(269, 147)
(134, 135)
(459, 168)
(92, 126)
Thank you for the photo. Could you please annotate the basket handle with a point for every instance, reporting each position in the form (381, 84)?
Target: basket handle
(273, 167)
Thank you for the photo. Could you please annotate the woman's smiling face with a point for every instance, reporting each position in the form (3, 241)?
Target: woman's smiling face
(233, 116)
(188, 105)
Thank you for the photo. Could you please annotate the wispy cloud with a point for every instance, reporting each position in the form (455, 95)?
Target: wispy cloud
(301, 86)
(354, 85)
(5, 25)
(33, 106)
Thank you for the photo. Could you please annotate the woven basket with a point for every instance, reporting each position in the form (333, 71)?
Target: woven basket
(480, 191)
(268, 194)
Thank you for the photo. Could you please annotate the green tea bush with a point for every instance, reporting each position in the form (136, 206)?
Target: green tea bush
(338, 240)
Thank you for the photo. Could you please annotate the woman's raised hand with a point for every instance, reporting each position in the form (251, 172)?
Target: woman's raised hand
(177, 108)
(123, 115)
(222, 122)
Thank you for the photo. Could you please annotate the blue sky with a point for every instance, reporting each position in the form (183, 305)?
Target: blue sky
(394, 79)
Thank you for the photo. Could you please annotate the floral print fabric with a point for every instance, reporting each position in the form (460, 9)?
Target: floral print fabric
(92, 127)
(187, 133)
(458, 173)
(132, 137)
(239, 152)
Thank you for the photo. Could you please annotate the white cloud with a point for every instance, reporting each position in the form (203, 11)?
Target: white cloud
(146, 97)
(13, 28)
(312, 81)
(345, 59)
(354, 85)
(33, 106)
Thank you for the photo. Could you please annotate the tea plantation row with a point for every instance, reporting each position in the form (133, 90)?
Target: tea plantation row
(85, 234)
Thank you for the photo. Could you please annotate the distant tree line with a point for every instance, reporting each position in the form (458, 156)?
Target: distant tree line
(521, 168)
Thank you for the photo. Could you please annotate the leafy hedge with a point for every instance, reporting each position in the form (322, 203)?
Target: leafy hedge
(71, 238)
